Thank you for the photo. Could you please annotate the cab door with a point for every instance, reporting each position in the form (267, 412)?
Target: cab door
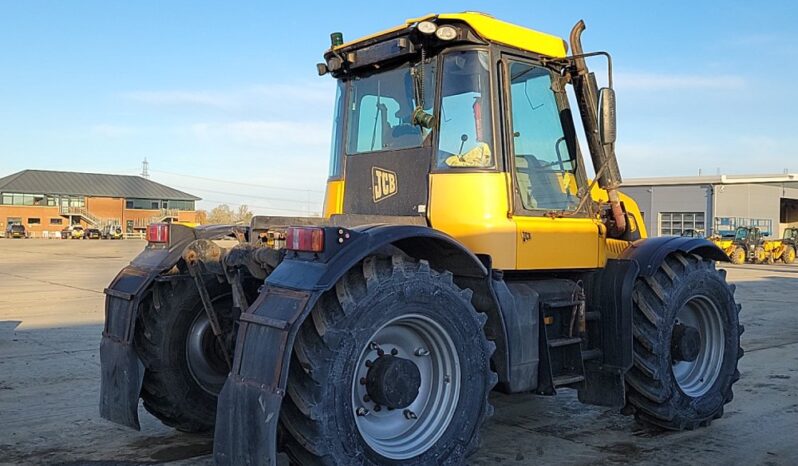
(546, 176)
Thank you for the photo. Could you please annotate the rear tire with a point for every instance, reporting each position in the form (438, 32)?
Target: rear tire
(326, 420)
(177, 389)
(760, 256)
(737, 256)
(664, 388)
(788, 256)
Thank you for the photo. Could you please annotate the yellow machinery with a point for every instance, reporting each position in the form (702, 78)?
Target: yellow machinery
(464, 248)
(750, 245)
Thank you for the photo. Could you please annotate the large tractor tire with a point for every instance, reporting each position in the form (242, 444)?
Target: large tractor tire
(185, 365)
(737, 256)
(686, 344)
(760, 255)
(392, 367)
(788, 256)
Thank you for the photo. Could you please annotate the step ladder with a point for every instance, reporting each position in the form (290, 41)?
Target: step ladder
(562, 366)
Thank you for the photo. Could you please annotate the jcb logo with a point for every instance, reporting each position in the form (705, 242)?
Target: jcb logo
(383, 183)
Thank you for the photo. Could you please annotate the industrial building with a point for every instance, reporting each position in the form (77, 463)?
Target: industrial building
(47, 201)
(716, 204)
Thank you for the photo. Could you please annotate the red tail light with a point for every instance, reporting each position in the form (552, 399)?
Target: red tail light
(158, 233)
(309, 239)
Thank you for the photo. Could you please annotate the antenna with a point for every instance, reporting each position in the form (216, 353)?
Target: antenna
(145, 166)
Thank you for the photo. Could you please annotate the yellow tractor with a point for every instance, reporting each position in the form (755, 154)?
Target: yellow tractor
(749, 244)
(463, 249)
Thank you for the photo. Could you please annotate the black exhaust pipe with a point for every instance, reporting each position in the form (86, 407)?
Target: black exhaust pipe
(605, 163)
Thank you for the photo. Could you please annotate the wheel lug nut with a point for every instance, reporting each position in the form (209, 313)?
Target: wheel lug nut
(409, 414)
(421, 352)
(361, 411)
(377, 408)
(380, 352)
(368, 363)
(366, 398)
(394, 351)
(362, 381)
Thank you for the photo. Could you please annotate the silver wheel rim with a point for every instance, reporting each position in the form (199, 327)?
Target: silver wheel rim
(405, 433)
(205, 361)
(697, 377)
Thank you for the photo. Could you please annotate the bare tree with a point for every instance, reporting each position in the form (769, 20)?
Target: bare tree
(223, 214)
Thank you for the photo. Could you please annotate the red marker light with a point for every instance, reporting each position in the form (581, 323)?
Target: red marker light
(158, 233)
(308, 239)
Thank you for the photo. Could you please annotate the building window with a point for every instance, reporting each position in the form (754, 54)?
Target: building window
(13, 220)
(676, 223)
(151, 204)
(56, 221)
(34, 221)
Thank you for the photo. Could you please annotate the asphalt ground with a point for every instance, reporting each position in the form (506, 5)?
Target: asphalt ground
(51, 312)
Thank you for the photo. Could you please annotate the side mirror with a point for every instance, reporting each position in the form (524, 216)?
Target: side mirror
(607, 128)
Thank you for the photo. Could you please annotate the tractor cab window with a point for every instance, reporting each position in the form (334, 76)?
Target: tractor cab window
(465, 114)
(381, 106)
(741, 234)
(544, 167)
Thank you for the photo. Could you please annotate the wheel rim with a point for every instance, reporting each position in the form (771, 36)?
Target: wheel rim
(409, 431)
(204, 356)
(697, 377)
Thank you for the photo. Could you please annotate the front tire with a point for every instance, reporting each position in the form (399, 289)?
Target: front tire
(737, 256)
(392, 367)
(686, 344)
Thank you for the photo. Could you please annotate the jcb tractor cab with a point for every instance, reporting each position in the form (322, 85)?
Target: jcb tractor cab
(463, 248)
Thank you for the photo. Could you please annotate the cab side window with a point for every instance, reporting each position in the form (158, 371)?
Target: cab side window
(544, 168)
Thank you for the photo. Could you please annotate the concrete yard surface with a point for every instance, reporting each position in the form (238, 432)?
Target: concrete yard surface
(51, 313)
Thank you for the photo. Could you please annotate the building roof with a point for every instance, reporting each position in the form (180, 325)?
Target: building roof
(790, 179)
(89, 184)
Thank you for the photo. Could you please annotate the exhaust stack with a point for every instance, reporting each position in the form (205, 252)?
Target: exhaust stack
(602, 153)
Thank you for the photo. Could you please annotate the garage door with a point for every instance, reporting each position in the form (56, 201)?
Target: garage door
(675, 223)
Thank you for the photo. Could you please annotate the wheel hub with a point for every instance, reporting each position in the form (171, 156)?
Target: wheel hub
(393, 382)
(697, 346)
(685, 343)
(406, 386)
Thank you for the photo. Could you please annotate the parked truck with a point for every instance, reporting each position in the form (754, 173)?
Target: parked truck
(463, 249)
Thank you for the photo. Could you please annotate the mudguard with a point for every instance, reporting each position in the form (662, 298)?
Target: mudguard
(121, 370)
(610, 293)
(650, 252)
(249, 404)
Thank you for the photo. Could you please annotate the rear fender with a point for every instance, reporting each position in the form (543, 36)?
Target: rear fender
(121, 370)
(249, 404)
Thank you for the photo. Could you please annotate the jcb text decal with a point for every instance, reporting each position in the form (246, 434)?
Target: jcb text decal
(383, 183)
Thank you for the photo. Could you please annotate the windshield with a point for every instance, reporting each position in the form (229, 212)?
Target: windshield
(742, 233)
(465, 115)
(381, 106)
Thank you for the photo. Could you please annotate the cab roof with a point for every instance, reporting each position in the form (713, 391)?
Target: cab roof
(488, 28)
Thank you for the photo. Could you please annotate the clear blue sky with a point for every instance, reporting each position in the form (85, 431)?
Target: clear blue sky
(228, 90)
